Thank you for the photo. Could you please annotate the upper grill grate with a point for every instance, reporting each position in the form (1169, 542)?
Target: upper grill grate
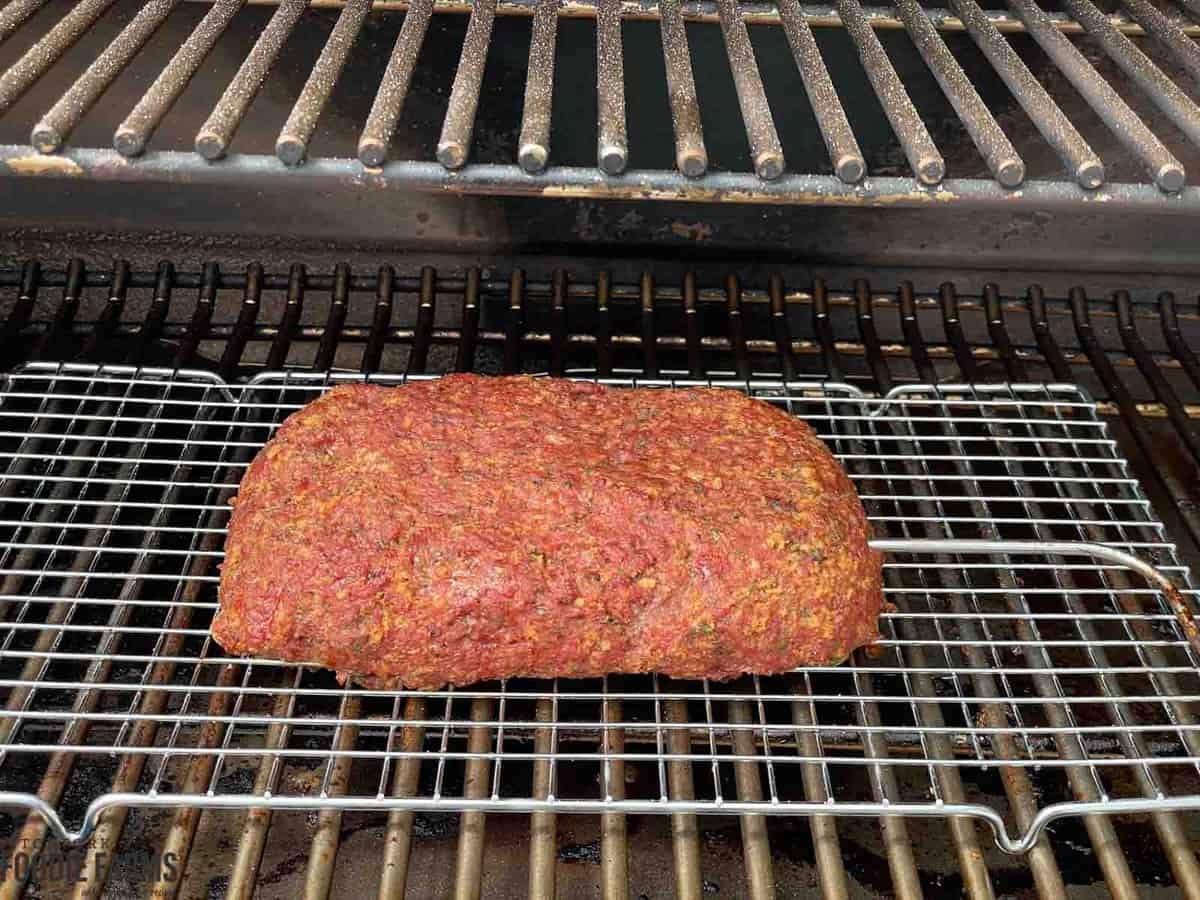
(1119, 125)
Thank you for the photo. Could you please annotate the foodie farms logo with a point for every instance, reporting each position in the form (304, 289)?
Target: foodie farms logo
(52, 866)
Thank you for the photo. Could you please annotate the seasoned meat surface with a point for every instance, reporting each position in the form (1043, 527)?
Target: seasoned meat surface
(471, 527)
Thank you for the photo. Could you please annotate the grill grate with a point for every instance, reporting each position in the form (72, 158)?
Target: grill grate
(1052, 671)
(1153, 130)
(874, 336)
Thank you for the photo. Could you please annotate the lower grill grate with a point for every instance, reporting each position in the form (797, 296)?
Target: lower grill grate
(1005, 684)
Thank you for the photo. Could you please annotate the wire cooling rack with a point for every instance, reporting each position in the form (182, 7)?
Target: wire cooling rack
(1054, 670)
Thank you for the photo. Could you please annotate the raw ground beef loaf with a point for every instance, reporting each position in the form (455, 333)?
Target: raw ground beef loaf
(470, 528)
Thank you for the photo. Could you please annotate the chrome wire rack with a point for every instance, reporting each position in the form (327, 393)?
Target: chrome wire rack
(1031, 659)
(1133, 99)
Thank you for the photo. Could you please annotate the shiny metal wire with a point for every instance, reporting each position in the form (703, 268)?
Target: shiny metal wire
(1013, 530)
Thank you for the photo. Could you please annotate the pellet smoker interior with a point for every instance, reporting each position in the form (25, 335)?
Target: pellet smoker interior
(959, 241)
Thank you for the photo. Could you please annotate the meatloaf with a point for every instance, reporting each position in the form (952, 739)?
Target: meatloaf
(471, 528)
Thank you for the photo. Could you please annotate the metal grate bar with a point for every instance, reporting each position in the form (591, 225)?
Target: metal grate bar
(780, 328)
(923, 157)
(468, 869)
(1163, 167)
(822, 328)
(199, 774)
(56, 126)
(393, 88)
(766, 153)
(649, 335)
(515, 324)
(558, 332)
(55, 341)
(14, 14)
(247, 316)
(735, 326)
(201, 316)
(614, 839)
(106, 323)
(612, 143)
(827, 849)
(1168, 32)
(677, 785)
(398, 844)
(691, 157)
(912, 333)
(603, 325)
(1082, 163)
(338, 308)
(1153, 375)
(23, 306)
(756, 847)
(292, 144)
(884, 788)
(382, 320)
(253, 839)
(454, 144)
(1103, 366)
(465, 358)
(156, 316)
(291, 318)
(543, 826)
(534, 142)
(1166, 95)
(26, 71)
(955, 335)
(844, 153)
(1169, 320)
(322, 854)
(695, 359)
(997, 151)
(214, 136)
(131, 135)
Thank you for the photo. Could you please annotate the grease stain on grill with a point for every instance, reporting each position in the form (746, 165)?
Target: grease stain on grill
(435, 825)
(580, 853)
(283, 869)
